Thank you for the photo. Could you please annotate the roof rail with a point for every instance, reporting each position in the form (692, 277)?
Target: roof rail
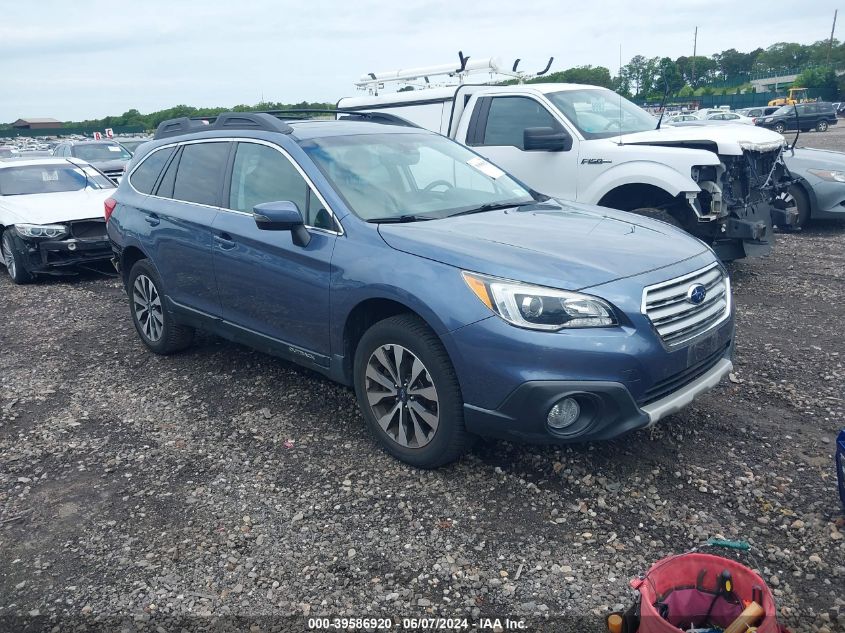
(224, 121)
(266, 120)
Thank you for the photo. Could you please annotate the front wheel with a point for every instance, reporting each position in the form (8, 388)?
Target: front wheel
(14, 260)
(821, 126)
(409, 394)
(780, 127)
(797, 198)
(153, 321)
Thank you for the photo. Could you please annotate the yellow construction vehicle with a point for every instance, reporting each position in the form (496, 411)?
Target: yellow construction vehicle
(796, 95)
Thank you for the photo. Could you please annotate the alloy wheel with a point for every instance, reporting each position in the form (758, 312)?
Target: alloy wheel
(402, 396)
(147, 303)
(8, 258)
(787, 202)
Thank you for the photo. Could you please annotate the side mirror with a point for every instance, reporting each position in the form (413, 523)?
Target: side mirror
(283, 215)
(546, 139)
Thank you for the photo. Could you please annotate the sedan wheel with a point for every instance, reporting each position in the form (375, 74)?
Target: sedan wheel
(147, 304)
(12, 260)
(795, 198)
(402, 396)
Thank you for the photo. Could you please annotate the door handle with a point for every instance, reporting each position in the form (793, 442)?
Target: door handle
(224, 241)
(152, 219)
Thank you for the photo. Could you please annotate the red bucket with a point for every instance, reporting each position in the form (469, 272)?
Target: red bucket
(687, 586)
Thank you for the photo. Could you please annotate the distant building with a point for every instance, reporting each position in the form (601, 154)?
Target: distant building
(37, 124)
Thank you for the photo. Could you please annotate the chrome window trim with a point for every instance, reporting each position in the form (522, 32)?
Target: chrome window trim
(270, 144)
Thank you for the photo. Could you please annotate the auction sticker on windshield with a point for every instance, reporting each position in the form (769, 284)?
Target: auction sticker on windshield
(485, 168)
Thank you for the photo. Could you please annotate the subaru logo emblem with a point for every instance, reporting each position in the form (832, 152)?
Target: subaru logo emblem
(696, 294)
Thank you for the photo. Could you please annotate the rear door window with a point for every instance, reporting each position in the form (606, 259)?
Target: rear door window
(200, 172)
(146, 174)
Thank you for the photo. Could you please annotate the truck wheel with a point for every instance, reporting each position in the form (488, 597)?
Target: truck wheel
(154, 323)
(659, 214)
(409, 394)
(780, 127)
(13, 258)
(821, 126)
(795, 196)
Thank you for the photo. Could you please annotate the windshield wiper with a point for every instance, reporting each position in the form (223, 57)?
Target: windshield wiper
(493, 206)
(399, 219)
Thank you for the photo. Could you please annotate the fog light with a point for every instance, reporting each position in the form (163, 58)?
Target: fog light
(564, 413)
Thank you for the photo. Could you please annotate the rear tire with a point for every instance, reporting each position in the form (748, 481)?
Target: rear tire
(821, 126)
(413, 407)
(154, 322)
(13, 258)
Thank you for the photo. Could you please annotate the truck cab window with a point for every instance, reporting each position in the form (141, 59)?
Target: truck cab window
(508, 118)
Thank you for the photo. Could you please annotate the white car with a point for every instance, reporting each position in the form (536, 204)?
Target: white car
(51, 216)
(727, 117)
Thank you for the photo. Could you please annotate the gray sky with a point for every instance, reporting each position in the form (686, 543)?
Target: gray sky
(88, 59)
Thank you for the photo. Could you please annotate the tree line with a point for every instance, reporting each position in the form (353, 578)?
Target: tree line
(648, 78)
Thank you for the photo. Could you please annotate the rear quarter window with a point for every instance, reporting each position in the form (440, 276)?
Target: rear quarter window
(146, 174)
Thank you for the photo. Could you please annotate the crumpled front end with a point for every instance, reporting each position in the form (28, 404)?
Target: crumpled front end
(738, 203)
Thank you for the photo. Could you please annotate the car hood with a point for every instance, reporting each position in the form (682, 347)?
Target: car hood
(806, 157)
(563, 245)
(727, 138)
(47, 208)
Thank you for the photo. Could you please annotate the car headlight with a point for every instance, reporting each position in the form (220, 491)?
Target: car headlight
(828, 174)
(41, 230)
(768, 119)
(539, 308)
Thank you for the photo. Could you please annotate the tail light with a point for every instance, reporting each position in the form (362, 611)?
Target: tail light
(109, 204)
(754, 120)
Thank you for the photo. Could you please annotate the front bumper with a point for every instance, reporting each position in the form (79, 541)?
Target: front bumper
(829, 198)
(45, 256)
(622, 380)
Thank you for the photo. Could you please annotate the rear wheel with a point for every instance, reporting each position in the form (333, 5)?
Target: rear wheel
(13, 258)
(153, 321)
(409, 394)
(821, 126)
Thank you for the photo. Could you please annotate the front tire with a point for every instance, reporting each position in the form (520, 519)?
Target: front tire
(409, 394)
(154, 322)
(796, 196)
(780, 128)
(13, 258)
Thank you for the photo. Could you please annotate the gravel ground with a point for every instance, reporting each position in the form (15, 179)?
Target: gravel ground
(140, 491)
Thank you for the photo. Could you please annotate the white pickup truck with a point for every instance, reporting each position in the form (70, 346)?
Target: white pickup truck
(585, 143)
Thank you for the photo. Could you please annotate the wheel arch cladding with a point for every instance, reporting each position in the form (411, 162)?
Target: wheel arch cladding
(129, 257)
(363, 316)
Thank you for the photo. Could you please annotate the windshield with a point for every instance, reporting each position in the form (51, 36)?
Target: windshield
(786, 109)
(383, 176)
(601, 113)
(29, 179)
(101, 151)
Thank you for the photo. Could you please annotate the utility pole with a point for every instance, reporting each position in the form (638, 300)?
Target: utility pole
(694, 46)
(830, 43)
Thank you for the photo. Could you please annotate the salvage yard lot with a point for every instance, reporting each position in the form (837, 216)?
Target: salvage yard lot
(225, 482)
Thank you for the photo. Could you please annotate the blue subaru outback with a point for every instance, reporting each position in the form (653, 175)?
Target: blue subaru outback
(453, 298)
